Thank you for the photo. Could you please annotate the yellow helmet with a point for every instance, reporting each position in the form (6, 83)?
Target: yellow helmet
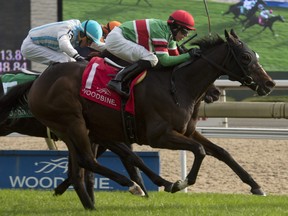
(109, 26)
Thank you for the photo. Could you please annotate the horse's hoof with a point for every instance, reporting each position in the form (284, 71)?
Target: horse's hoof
(57, 193)
(90, 208)
(135, 189)
(176, 186)
(168, 188)
(258, 191)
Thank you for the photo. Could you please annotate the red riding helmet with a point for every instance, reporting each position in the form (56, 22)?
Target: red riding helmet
(182, 18)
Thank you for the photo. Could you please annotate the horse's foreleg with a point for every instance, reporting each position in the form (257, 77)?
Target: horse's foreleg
(222, 155)
(263, 29)
(192, 175)
(175, 141)
(273, 32)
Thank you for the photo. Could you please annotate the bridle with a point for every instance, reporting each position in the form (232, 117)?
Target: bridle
(245, 80)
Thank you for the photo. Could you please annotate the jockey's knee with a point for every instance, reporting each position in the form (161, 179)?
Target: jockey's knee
(152, 59)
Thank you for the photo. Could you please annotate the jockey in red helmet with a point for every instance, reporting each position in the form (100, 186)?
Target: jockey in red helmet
(147, 43)
(180, 20)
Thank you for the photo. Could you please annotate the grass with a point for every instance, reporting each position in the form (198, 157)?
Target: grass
(31, 202)
(271, 49)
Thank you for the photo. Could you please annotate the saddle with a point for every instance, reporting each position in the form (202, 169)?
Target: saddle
(96, 75)
(262, 21)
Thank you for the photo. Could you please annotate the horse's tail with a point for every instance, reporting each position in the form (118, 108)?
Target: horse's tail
(16, 98)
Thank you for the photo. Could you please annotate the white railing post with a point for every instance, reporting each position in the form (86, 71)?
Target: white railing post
(183, 160)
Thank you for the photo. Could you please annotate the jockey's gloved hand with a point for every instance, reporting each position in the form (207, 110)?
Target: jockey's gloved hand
(194, 52)
(79, 58)
(182, 49)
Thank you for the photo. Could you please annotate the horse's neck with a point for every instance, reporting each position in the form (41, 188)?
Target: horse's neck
(275, 18)
(199, 75)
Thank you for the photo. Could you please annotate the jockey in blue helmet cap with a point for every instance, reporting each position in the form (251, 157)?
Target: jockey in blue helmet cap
(92, 30)
(56, 42)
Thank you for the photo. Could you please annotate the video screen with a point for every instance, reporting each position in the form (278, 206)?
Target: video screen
(270, 45)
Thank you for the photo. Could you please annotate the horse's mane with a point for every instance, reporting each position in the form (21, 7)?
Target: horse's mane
(208, 42)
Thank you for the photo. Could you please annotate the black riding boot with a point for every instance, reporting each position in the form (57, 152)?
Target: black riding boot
(122, 78)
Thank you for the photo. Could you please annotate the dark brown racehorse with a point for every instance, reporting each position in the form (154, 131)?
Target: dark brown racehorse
(167, 104)
(268, 24)
(32, 127)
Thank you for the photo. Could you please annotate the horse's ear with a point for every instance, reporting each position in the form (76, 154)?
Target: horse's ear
(227, 36)
(233, 33)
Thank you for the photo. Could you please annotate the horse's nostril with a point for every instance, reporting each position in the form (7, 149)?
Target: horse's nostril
(270, 84)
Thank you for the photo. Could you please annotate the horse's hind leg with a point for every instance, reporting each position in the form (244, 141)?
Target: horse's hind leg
(90, 176)
(130, 168)
(63, 186)
(77, 179)
(134, 173)
(223, 155)
(130, 157)
(78, 140)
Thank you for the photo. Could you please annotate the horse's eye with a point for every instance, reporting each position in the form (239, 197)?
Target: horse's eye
(246, 59)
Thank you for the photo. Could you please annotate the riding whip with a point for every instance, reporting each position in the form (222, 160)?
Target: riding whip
(207, 12)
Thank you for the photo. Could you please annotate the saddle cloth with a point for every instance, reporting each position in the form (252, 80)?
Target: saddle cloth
(94, 80)
(9, 80)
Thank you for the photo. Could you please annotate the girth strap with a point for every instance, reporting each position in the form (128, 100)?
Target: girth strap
(128, 123)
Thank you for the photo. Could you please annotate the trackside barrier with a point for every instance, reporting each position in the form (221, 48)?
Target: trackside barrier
(244, 110)
(227, 84)
(244, 133)
(47, 169)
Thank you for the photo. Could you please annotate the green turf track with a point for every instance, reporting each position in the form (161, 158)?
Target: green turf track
(31, 202)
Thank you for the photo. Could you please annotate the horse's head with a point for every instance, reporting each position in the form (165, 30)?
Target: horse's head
(248, 70)
(281, 18)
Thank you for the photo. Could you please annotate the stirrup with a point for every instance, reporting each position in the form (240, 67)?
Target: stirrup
(117, 87)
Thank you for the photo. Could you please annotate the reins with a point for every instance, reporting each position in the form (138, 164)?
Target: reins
(247, 80)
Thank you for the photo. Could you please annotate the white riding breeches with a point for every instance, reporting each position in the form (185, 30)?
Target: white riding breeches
(128, 50)
(41, 54)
